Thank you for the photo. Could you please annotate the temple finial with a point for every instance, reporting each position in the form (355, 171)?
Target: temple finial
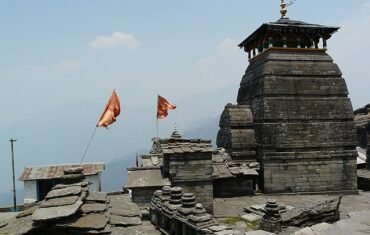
(284, 6)
(283, 9)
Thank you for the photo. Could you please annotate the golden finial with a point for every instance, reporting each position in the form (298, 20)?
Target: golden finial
(283, 10)
(284, 6)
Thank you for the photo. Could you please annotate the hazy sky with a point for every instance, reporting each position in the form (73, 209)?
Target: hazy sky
(54, 53)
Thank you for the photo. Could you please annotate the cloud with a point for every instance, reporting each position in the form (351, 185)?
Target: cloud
(226, 49)
(117, 39)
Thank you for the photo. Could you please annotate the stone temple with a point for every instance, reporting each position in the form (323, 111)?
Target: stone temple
(302, 130)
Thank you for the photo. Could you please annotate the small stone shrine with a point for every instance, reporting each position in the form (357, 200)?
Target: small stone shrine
(181, 215)
(302, 117)
(271, 221)
(193, 165)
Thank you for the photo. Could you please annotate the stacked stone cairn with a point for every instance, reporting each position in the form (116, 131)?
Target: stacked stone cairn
(271, 221)
(69, 208)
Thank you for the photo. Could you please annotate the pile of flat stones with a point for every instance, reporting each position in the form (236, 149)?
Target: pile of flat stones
(69, 208)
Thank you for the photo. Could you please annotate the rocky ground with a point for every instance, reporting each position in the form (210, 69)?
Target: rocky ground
(354, 212)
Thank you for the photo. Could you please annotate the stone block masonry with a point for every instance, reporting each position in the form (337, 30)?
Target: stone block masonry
(303, 121)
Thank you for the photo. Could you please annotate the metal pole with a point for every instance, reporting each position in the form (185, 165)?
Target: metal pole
(14, 191)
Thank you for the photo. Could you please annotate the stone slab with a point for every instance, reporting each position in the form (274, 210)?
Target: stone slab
(18, 226)
(93, 207)
(259, 232)
(124, 221)
(27, 212)
(59, 201)
(97, 197)
(90, 222)
(217, 228)
(135, 230)
(125, 212)
(251, 218)
(52, 213)
(63, 192)
(60, 186)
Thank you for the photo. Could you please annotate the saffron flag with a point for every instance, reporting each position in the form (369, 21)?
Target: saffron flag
(111, 111)
(163, 106)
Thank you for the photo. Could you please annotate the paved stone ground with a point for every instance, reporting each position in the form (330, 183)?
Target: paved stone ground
(230, 207)
(6, 216)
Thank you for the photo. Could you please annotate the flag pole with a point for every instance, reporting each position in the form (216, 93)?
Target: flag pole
(156, 117)
(88, 145)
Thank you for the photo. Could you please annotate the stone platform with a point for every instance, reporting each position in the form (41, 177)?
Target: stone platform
(231, 207)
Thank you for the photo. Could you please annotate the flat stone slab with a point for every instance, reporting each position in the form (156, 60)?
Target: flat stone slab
(217, 228)
(143, 229)
(124, 212)
(124, 221)
(93, 207)
(123, 205)
(18, 226)
(251, 218)
(27, 212)
(51, 213)
(60, 186)
(97, 197)
(59, 201)
(91, 222)
(226, 232)
(259, 232)
(63, 192)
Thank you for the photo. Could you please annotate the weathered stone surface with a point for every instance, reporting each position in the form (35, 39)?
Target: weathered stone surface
(52, 213)
(90, 221)
(60, 186)
(144, 229)
(313, 213)
(125, 212)
(124, 221)
(3, 224)
(73, 170)
(97, 196)
(59, 201)
(18, 226)
(301, 110)
(259, 232)
(217, 228)
(63, 192)
(93, 207)
(227, 232)
(251, 218)
(27, 212)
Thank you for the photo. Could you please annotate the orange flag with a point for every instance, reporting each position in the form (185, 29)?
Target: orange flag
(163, 106)
(111, 111)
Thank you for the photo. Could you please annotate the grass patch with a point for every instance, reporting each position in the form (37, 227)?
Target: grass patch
(231, 221)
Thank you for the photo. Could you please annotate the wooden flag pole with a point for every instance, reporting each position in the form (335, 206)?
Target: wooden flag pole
(88, 145)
